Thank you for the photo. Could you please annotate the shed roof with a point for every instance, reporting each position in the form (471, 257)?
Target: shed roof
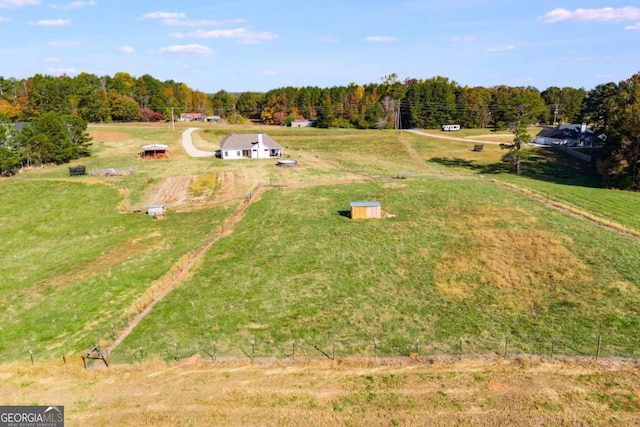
(155, 147)
(365, 204)
(244, 141)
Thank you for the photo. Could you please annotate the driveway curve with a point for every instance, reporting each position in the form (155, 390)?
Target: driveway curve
(452, 138)
(187, 143)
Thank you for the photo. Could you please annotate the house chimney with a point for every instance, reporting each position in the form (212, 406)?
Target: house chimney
(260, 138)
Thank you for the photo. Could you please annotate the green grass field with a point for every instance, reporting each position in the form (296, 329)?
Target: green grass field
(459, 263)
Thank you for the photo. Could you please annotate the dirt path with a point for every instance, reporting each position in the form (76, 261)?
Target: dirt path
(452, 138)
(234, 185)
(162, 287)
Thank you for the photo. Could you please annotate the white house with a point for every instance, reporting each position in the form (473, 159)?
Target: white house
(249, 146)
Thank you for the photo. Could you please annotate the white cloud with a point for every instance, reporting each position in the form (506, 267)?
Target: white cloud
(164, 15)
(63, 43)
(241, 35)
(126, 49)
(633, 27)
(17, 3)
(463, 39)
(605, 14)
(500, 48)
(380, 39)
(74, 5)
(52, 22)
(187, 49)
(174, 22)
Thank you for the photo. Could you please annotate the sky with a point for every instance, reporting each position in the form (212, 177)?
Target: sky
(257, 45)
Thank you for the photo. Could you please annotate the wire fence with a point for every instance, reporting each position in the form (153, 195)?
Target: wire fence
(239, 347)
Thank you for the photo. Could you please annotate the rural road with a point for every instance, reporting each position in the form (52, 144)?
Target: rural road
(187, 143)
(452, 138)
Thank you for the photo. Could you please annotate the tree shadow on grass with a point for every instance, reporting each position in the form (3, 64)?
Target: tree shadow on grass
(472, 165)
(543, 164)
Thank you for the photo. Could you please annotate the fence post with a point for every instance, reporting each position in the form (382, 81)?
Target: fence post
(31, 356)
(599, 344)
(333, 348)
(460, 347)
(506, 343)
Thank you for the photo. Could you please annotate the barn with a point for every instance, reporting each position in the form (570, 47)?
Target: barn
(154, 151)
(364, 210)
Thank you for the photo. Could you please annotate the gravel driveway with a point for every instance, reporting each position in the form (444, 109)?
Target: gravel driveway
(187, 143)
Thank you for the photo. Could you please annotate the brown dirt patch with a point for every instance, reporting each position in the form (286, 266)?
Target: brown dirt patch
(172, 191)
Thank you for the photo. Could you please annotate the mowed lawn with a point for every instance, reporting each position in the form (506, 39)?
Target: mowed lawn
(455, 266)
(458, 264)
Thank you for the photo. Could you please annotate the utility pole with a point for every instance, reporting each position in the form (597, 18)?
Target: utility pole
(398, 121)
(173, 123)
(555, 114)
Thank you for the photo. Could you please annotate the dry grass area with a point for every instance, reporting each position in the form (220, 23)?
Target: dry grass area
(439, 392)
(509, 259)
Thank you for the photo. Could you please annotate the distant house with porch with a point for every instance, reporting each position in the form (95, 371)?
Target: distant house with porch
(570, 135)
(192, 117)
(249, 146)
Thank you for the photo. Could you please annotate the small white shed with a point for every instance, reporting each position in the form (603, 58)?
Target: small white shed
(156, 210)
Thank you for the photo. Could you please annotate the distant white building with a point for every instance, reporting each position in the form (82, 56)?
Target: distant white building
(302, 123)
(192, 117)
(249, 146)
(450, 128)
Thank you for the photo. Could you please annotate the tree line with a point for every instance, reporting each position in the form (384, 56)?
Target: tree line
(613, 108)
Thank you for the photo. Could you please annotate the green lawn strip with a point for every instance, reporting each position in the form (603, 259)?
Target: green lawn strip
(297, 268)
(75, 265)
(619, 207)
(551, 174)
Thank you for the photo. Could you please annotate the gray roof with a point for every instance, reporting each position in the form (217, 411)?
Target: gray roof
(245, 141)
(365, 204)
(569, 131)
